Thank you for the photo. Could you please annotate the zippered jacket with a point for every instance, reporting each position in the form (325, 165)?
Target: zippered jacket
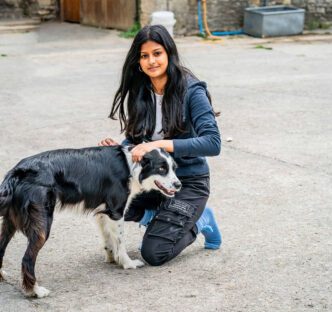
(201, 138)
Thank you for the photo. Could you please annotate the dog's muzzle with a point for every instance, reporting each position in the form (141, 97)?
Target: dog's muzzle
(169, 190)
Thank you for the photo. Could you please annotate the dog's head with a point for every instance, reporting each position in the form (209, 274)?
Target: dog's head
(157, 172)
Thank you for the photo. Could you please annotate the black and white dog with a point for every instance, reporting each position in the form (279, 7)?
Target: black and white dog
(103, 180)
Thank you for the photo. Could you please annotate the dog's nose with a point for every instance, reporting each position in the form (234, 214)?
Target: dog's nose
(177, 185)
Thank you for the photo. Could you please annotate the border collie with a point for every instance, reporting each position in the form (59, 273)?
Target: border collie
(102, 180)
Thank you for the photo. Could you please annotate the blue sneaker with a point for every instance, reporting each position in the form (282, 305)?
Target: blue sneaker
(147, 217)
(207, 225)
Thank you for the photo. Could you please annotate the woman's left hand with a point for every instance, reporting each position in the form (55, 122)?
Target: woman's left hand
(141, 149)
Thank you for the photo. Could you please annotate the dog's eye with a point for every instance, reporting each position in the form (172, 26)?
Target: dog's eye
(162, 169)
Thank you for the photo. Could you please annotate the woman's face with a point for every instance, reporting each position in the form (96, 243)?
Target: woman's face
(153, 59)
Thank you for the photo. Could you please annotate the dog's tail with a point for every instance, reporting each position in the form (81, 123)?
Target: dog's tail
(7, 189)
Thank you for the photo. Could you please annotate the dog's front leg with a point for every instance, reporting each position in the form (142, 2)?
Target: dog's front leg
(119, 248)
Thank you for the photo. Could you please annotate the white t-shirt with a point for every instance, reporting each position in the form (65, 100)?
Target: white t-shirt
(159, 116)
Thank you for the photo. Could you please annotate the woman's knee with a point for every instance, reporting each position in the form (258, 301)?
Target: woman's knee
(154, 255)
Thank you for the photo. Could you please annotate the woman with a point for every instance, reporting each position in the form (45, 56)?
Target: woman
(162, 104)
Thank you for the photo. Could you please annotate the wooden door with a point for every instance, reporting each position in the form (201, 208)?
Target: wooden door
(119, 14)
(93, 12)
(70, 10)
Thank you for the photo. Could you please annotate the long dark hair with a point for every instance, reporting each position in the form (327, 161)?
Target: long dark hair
(137, 120)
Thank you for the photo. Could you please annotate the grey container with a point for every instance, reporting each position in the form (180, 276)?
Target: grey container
(272, 21)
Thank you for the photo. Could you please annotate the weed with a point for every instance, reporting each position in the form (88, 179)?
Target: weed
(315, 24)
(132, 31)
(201, 35)
(262, 47)
(325, 25)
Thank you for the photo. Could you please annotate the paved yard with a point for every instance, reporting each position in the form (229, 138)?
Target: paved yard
(271, 187)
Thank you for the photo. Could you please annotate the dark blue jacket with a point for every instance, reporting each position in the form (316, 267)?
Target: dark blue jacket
(202, 136)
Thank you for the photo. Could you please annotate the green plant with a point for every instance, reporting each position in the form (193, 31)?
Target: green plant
(325, 25)
(201, 35)
(3, 55)
(262, 47)
(313, 24)
(132, 31)
(316, 24)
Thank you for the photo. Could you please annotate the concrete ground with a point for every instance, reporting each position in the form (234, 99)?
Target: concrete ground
(271, 187)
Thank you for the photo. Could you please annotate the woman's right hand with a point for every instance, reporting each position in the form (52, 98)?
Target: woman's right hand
(108, 142)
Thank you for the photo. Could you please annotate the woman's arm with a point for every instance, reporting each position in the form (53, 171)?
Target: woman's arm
(167, 145)
(208, 141)
(139, 150)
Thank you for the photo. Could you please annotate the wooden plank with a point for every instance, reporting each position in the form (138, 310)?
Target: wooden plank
(118, 14)
(62, 11)
(70, 10)
(93, 12)
(121, 14)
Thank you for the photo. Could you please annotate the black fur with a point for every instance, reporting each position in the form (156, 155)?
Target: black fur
(70, 175)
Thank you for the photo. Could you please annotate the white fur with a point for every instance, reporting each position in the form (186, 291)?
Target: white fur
(78, 208)
(113, 231)
(114, 242)
(171, 178)
(38, 291)
(3, 274)
(102, 221)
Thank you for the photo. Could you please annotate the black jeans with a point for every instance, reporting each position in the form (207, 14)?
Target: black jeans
(173, 227)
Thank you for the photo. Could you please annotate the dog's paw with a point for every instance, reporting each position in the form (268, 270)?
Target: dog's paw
(38, 291)
(3, 275)
(41, 292)
(133, 264)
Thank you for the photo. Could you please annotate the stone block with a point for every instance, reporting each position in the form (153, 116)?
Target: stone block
(11, 3)
(320, 10)
(298, 3)
(43, 3)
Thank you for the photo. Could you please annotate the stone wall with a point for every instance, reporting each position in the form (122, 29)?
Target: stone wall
(225, 15)
(222, 14)
(45, 9)
(48, 9)
(316, 10)
(184, 11)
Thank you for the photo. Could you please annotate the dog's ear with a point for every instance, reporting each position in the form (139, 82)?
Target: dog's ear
(146, 160)
(130, 147)
(146, 163)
